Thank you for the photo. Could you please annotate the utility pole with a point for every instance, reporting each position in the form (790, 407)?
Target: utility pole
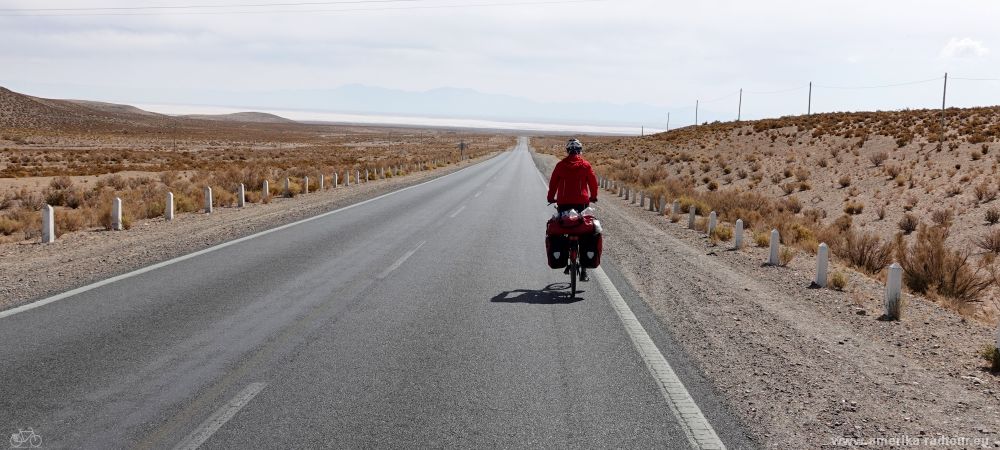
(668, 121)
(696, 112)
(809, 108)
(944, 99)
(461, 151)
(739, 109)
(642, 131)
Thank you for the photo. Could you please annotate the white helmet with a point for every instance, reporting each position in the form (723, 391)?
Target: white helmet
(574, 146)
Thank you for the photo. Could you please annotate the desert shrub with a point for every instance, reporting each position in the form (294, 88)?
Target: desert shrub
(674, 218)
(838, 280)
(788, 188)
(70, 221)
(9, 226)
(943, 217)
(952, 191)
(801, 174)
(854, 208)
(893, 171)
(791, 204)
(930, 266)
(699, 206)
(804, 186)
(844, 181)
(185, 203)
(992, 216)
(985, 193)
(785, 256)
(990, 241)
(762, 239)
(878, 158)
(713, 185)
(992, 355)
(863, 250)
(722, 232)
(61, 182)
(908, 223)
(880, 213)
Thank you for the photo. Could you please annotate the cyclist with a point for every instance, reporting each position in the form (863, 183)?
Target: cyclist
(573, 184)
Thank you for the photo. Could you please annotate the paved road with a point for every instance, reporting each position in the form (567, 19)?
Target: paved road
(425, 318)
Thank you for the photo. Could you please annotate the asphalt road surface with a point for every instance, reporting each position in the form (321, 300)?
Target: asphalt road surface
(423, 318)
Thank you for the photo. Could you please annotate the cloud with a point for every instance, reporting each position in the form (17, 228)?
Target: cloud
(964, 48)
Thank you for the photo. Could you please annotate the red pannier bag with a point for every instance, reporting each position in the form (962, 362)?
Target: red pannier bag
(557, 250)
(575, 225)
(591, 246)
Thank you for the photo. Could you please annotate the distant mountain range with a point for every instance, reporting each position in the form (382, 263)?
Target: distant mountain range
(451, 103)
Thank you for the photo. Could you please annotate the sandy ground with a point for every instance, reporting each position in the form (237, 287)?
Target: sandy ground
(801, 367)
(29, 270)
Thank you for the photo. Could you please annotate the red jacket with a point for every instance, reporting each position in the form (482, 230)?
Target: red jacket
(573, 182)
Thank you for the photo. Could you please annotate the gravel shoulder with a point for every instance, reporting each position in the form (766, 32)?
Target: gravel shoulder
(30, 270)
(801, 367)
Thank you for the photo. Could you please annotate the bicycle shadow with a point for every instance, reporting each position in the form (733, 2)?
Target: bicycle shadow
(553, 294)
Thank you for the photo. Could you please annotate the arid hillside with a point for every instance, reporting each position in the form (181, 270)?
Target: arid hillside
(876, 187)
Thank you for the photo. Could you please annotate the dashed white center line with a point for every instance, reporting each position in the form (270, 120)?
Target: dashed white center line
(457, 211)
(220, 417)
(400, 261)
(478, 194)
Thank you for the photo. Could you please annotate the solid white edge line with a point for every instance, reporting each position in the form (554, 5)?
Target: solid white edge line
(457, 212)
(105, 282)
(699, 431)
(400, 261)
(220, 417)
(696, 427)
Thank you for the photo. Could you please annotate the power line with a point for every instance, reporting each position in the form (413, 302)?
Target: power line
(301, 11)
(237, 5)
(908, 83)
(975, 79)
(781, 91)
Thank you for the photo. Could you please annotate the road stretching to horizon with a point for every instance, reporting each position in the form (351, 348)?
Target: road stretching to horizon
(423, 318)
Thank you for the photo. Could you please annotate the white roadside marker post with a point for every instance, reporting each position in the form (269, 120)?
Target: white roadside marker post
(288, 187)
(168, 209)
(775, 243)
(822, 263)
(663, 205)
(676, 207)
(265, 189)
(208, 200)
(712, 218)
(116, 214)
(334, 180)
(322, 182)
(241, 197)
(894, 293)
(691, 216)
(738, 235)
(357, 176)
(305, 185)
(48, 224)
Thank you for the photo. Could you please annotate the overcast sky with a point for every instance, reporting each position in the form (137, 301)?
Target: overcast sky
(661, 53)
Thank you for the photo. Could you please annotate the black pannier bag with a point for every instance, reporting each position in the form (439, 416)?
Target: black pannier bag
(557, 250)
(591, 246)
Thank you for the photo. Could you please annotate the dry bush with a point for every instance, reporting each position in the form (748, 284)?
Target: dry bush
(929, 266)
(838, 280)
(893, 171)
(992, 216)
(985, 193)
(863, 250)
(70, 221)
(722, 232)
(990, 241)
(854, 208)
(9, 226)
(953, 191)
(844, 181)
(788, 188)
(762, 239)
(943, 217)
(785, 256)
(908, 223)
(801, 174)
(992, 355)
(878, 158)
